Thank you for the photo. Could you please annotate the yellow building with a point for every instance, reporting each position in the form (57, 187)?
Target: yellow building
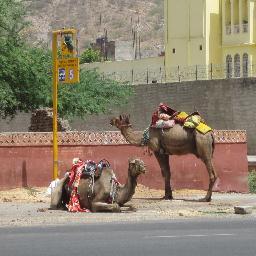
(204, 39)
(238, 36)
(210, 35)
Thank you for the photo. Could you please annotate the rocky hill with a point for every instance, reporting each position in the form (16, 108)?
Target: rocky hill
(120, 19)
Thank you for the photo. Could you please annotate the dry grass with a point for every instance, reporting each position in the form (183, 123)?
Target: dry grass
(23, 195)
(39, 194)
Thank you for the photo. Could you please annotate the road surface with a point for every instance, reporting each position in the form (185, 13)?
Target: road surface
(185, 237)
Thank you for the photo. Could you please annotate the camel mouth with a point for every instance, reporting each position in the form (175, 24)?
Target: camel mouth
(143, 169)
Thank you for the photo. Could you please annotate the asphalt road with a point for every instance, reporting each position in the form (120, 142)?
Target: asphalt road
(193, 237)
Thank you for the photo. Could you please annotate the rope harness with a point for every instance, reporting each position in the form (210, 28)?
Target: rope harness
(114, 187)
(145, 138)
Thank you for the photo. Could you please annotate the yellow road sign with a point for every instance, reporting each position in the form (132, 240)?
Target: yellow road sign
(68, 70)
(67, 47)
(65, 70)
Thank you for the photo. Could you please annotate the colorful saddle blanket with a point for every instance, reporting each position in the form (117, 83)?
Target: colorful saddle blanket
(79, 168)
(192, 121)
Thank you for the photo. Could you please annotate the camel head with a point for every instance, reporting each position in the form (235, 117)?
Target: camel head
(136, 167)
(121, 121)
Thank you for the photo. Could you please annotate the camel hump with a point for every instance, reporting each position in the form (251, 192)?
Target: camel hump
(92, 168)
(104, 182)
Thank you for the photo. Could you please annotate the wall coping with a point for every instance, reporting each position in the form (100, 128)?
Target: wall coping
(8, 139)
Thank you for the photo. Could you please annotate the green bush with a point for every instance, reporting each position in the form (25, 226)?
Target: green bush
(252, 181)
(90, 55)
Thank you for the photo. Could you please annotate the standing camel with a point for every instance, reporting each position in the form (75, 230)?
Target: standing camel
(172, 141)
(106, 194)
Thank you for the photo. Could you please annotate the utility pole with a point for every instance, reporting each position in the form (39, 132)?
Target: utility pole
(65, 70)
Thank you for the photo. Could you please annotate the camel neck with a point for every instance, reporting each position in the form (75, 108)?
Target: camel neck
(132, 137)
(131, 183)
(127, 191)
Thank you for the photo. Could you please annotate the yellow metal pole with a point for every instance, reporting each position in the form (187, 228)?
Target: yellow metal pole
(55, 104)
(55, 93)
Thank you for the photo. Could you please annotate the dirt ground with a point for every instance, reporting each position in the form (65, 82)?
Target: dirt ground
(30, 206)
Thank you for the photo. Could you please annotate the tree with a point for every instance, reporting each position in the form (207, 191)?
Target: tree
(14, 61)
(25, 83)
(90, 55)
(92, 95)
(25, 75)
(12, 20)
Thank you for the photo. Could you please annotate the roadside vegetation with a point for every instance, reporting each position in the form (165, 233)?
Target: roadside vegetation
(25, 74)
(90, 55)
(252, 181)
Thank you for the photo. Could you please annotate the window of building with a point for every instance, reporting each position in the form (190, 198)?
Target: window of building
(245, 65)
(173, 50)
(200, 47)
(244, 6)
(236, 16)
(228, 66)
(228, 16)
(237, 65)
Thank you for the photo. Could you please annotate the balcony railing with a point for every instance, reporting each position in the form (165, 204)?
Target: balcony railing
(236, 29)
(245, 28)
(228, 30)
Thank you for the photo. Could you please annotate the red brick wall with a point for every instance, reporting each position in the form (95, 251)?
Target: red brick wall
(31, 165)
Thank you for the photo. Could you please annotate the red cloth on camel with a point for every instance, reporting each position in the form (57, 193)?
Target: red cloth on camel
(162, 108)
(75, 175)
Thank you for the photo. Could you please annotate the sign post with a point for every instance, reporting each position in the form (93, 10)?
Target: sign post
(65, 70)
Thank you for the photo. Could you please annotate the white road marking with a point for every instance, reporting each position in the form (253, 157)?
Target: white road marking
(192, 235)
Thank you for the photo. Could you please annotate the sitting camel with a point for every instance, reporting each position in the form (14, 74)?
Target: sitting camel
(172, 141)
(105, 195)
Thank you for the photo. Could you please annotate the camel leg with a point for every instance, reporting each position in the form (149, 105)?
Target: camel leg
(163, 161)
(104, 207)
(204, 146)
(212, 179)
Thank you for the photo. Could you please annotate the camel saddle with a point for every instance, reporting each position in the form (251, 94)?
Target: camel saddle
(192, 121)
(80, 168)
(93, 169)
(89, 169)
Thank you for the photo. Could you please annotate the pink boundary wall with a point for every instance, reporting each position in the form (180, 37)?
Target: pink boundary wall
(26, 160)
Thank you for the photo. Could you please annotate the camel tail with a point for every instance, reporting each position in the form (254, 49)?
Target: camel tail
(213, 143)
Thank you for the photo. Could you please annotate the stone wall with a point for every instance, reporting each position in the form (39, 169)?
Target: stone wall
(26, 160)
(42, 121)
(224, 104)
